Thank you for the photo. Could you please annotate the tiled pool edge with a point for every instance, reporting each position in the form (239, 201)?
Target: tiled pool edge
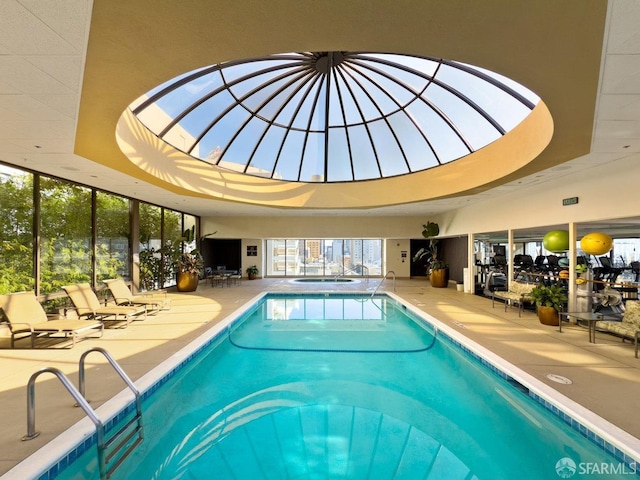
(587, 423)
(591, 426)
(54, 457)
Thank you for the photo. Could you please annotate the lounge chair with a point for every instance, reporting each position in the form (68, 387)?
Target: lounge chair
(87, 304)
(518, 294)
(628, 327)
(27, 317)
(123, 296)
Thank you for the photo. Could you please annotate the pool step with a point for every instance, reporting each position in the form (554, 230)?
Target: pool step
(328, 441)
(123, 442)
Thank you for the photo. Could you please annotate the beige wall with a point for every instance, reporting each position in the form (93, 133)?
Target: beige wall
(393, 250)
(605, 192)
(257, 260)
(314, 227)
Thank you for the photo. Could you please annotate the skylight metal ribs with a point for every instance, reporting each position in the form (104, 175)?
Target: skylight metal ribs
(350, 121)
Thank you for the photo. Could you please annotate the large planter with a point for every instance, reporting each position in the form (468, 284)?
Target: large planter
(187, 281)
(548, 316)
(439, 278)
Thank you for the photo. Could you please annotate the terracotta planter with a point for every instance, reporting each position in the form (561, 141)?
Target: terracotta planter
(439, 278)
(251, 276)
(548, 316)
(187, 282)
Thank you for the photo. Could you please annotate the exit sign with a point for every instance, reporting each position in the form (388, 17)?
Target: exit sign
(569, 201)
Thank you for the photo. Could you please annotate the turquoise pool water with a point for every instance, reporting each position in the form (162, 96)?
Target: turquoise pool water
(338, 386)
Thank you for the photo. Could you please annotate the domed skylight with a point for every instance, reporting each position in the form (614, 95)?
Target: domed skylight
(334, 116)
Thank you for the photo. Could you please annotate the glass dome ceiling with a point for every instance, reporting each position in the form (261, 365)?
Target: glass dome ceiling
(334, 116)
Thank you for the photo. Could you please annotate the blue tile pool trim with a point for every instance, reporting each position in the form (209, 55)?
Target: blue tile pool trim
(91, 441)
(608, 447)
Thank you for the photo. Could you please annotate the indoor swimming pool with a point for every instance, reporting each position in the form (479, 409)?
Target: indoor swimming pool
(326, 386)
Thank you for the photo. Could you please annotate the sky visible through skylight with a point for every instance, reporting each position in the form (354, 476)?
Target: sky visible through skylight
(334, 116)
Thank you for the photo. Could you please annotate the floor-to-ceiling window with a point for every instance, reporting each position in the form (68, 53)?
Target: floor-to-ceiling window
(16, 230)
(65, 234)
(62, 215)
(112, 237)
(324, 257)
(172, 239)
(151, 261)
(190, 228)
(162, 241)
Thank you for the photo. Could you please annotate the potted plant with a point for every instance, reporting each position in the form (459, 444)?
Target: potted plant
(252, 272)
(437, 269)
(188, 270)
(549, 301)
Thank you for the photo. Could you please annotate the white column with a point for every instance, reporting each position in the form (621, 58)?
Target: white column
(511, 250)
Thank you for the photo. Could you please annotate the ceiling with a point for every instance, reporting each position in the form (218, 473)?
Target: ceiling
(62, 91)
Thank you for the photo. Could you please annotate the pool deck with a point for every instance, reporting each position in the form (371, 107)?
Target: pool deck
(605, 376)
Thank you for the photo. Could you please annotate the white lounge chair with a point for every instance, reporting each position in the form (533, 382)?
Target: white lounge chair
(26, 317)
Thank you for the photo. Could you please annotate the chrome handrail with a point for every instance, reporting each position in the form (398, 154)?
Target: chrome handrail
(104, 471)
(81, 401)
(364, 268)
(119, 371)
(383, 279)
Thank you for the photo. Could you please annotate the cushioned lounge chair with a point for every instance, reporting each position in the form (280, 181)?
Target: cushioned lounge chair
(123, 296)
(518, 294)
(26, 317)
(87, 304)
(629, 325)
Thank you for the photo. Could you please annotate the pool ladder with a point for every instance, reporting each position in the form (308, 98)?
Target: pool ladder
(393, 274)
(112, 452)
(362, 270)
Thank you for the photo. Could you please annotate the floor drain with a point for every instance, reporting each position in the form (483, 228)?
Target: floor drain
(559, 379)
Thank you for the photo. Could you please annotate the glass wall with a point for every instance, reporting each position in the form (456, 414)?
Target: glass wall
(625, 251)
(112, 240)
(16, 230)
(65, 234)
(190, 228)
(172, 242)
(62, 216)
(324, 257)
(151, 254)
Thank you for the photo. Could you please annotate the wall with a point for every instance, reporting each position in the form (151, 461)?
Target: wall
(605, 192)
(394, 261)
(257, 260)
(455, 252)
(326, 226)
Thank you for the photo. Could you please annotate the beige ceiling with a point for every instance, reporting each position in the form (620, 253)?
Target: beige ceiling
(64, 86)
